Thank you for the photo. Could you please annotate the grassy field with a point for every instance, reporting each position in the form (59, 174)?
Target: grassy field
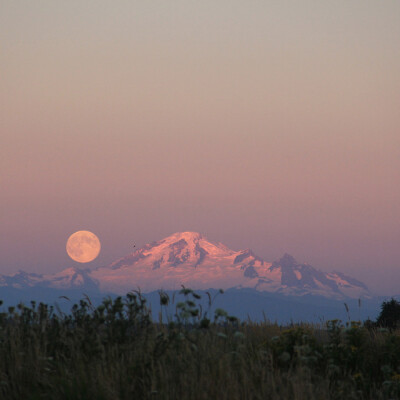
(115, 351)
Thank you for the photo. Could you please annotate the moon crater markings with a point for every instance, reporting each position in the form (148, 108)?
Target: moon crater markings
(83, 246)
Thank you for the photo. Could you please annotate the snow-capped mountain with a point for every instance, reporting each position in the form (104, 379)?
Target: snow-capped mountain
(70, 278)
(190, 259)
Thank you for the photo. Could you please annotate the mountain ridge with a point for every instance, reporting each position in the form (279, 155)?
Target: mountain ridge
(190, 259)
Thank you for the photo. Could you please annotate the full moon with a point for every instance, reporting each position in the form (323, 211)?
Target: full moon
(83, 246)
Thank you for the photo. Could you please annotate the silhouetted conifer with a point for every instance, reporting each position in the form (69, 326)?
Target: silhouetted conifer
(390, 314)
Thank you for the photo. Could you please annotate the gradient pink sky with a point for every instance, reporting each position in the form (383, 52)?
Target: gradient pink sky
(273, 125)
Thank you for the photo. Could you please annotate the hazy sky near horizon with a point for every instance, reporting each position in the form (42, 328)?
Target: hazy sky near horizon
(273, 125)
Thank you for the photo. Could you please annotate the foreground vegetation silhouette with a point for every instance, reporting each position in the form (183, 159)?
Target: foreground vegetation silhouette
(389, 316)
(116, 351)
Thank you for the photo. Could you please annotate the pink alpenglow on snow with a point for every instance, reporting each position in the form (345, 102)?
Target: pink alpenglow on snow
(190, 259)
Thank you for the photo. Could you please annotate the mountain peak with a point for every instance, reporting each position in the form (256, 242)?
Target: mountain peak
(185, 238)
(287, 261)
(188, 235)
(189, 258)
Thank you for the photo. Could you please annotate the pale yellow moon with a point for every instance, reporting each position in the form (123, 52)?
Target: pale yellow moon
(83, 246)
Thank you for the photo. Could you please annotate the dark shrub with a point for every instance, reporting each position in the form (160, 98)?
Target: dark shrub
(390, 314)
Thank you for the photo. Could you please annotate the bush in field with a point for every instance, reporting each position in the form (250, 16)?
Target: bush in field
(116, 351)
(390, 314)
